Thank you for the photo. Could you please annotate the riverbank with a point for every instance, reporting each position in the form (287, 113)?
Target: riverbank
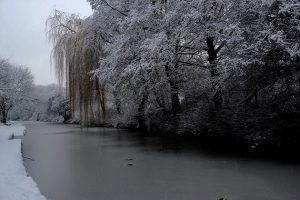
(252, 146)
(14, 182)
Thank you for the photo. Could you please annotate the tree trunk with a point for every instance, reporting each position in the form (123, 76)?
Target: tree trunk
(117, 102)
(172, 75)
(4, 119)
(4, 110)
(141, 111)
(175, 97)
(103, 105)
(174, 90)
(212, 52)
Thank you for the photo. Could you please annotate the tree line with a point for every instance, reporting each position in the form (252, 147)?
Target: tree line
(208, 67)
(20, 99)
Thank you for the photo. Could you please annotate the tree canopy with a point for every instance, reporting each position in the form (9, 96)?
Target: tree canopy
(15, 86)
(193, 66)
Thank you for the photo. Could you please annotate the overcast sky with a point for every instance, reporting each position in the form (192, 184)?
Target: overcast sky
(22, 33)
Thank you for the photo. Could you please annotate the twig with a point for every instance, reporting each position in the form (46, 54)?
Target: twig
(28, 158)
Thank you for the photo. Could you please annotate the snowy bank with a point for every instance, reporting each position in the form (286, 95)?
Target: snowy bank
(14, 182)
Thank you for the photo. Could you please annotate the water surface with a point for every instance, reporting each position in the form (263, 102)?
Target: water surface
(109, 164)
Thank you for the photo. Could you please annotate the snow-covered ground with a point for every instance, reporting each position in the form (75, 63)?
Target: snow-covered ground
(14, 182)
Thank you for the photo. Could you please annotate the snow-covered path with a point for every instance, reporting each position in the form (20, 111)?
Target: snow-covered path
(14, 182)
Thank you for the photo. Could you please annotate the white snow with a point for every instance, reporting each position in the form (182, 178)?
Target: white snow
(14, 182)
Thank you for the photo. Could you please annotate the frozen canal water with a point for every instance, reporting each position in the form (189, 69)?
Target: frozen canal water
(110, 164)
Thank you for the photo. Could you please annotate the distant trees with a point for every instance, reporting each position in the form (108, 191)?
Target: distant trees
(58, 109)
(20, 99)
(46, 103)
(15, 87)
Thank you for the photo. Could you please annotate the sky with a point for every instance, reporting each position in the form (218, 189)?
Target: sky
(23, 38)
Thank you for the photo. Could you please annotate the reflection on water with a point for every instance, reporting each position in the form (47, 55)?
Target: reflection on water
(110, 164)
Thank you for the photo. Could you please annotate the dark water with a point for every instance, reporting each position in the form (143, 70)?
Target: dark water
(110, 164)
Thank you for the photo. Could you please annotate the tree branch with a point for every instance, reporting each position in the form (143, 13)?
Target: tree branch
(122, 13)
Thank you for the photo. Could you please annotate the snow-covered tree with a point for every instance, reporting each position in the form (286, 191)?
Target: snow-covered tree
(161, 40)
(16, 83)
(187, 66)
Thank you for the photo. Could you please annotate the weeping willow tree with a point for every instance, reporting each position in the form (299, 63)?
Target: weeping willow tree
(76, 52)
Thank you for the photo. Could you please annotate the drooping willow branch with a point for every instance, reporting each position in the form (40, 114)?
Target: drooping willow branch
(75, 54)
